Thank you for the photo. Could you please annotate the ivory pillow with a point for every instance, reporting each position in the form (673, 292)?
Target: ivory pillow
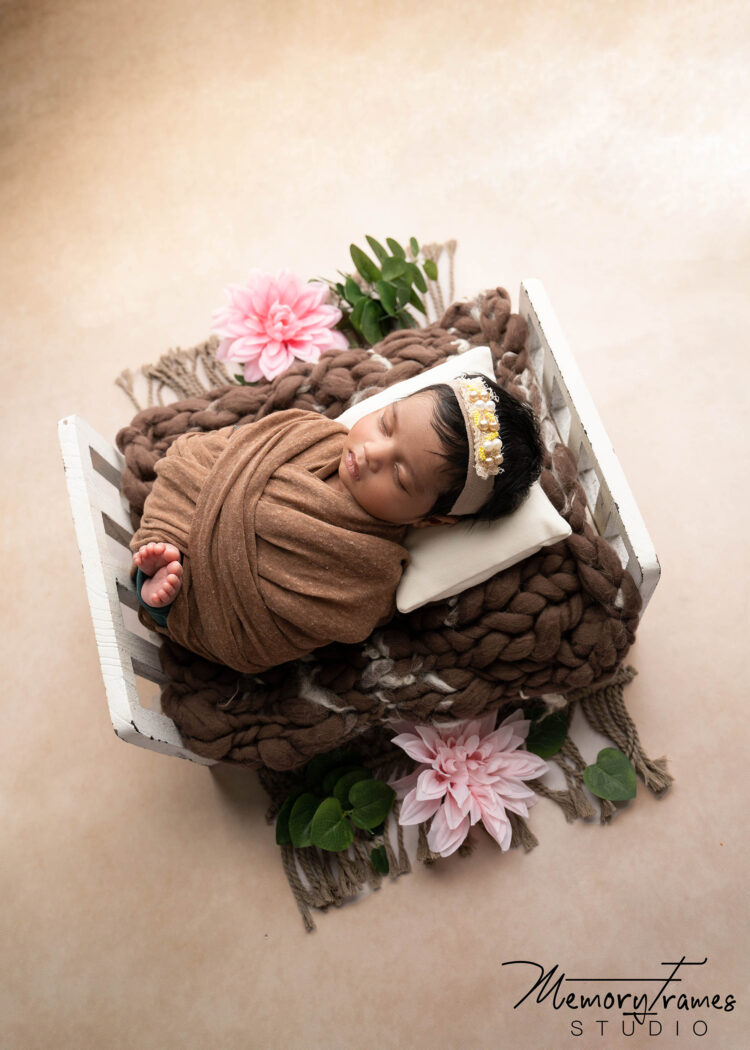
(446, 559)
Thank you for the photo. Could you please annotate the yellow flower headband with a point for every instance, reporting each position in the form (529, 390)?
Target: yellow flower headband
(478, 407)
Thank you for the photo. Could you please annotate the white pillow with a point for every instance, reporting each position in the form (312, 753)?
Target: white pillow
(446, 559)
(478, 359)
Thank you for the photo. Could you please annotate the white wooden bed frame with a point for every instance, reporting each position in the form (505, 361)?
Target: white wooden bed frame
(129, 654)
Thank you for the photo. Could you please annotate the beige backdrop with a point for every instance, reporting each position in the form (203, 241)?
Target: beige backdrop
(153, 153)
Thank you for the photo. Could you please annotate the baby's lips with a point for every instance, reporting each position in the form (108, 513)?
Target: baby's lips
(351, 464)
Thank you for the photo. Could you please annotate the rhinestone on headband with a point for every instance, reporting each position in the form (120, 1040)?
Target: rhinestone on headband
(478, 407)
(485, 437)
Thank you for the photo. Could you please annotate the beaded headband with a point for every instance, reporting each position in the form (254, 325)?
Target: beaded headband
(477, 404)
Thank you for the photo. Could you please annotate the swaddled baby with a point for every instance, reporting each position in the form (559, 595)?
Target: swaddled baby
(262, 542)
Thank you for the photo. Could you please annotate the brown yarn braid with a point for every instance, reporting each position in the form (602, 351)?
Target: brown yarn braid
(561, 620)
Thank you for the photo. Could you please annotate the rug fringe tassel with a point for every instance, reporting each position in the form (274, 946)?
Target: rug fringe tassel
(605, 711)
(434, 289)
(319, 879)
(424, 853)
(522, 833)
(182, 373)
(125, 383)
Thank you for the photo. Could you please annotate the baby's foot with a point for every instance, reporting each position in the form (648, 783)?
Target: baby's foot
(160, 562)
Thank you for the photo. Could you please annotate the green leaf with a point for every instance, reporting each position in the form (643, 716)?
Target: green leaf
(430, 268)
(379, 860)
(387, 295)
(344, 783)
(414, 246)
(406, 320)
(547, 734)
(330, 829)
(364, 264)
(416, 302)
(355, 318)
(283, 838)
(333, 776)
(351, 291)
(380, 253)
(370, 323)
(372, 801)
(403, 291)
(300, 819)
(612, 776)
(339, 289)
(417, 278)
(393, 268)
(395, 247)
(317, 767)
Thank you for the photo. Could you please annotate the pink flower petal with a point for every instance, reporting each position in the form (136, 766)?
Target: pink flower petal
(500, 829)
(443, 839)
(405, 784)
(288, 287)
(500, 740)
(432, 784)
(459, 790)
(252, 372)
(415, 747)
(338, 341)
(222, 348)
(310, 298)
(275, 360)
(414, 811)
(454, 812)
(306, 352)
(515, 806)
(431, 737)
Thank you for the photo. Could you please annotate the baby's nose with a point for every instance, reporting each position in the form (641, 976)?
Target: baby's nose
(377, 453)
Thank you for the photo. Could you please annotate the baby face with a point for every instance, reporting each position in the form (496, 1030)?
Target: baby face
(392, 461)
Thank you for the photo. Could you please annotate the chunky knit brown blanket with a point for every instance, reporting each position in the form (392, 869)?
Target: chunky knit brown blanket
(560, 620)
(275, 562)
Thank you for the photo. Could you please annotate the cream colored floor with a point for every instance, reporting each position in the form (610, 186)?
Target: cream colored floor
(152, 153)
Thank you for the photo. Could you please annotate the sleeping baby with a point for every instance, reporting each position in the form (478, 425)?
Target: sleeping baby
(262, 542)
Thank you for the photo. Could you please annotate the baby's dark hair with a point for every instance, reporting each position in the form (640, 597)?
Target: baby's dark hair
(522, 451)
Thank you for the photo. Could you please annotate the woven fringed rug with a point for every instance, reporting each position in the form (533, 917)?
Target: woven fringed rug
(320, 880)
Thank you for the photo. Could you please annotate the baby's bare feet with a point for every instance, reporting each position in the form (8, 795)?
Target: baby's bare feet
(161, 563)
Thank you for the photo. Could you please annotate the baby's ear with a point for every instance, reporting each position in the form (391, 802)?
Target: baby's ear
(435, 519)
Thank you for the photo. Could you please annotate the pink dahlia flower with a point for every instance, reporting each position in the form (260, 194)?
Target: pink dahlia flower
(469, 771)
(270, 321)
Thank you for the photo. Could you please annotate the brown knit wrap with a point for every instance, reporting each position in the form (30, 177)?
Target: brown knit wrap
(558, 621)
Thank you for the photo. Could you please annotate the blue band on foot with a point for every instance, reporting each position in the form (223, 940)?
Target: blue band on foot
(157, 615)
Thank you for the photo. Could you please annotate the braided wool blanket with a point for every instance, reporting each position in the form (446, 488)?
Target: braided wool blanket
(560, 621)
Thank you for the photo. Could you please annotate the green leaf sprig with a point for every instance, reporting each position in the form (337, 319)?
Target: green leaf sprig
(612, 775)
(379, 298)
(547, 734)
(337, 797)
